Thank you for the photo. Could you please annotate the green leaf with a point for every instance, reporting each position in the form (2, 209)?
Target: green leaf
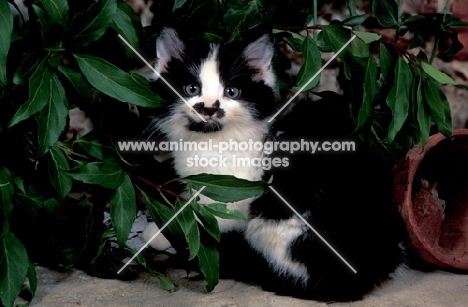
(165, 282)
(209, 222)
(19, 183)
(6, 29)
(367, 37)
(311, 65)
(57, 10)
(52, 206)
(136, 20)
(398, 98)
(14, 265)
(336, 37)
(370, 92)
(122, 24)
(57, 165)
(439, 106)
(294, 40)
(90, 26)
(27, 67)
(116, 83)
(418, 39)
(355, 20)
(221, 211)
(322, 44)
(413, 18)
(208, 257)
(246, 14)
(225, 188)
(43, 24)
(386, 12)
(97, 145)
(189, 226)
(123, 210)
(52, 119)
(32, 278)
(39, 87)
(454, 23)
(6, 192)
(386, 62)
(108, 233)
(33, 203)
(438, 76)
(78, 84)
(161, 214)
(423, 115)
(108, 173)
(178, 4)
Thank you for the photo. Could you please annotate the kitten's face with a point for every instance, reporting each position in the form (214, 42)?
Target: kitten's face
(228, 88)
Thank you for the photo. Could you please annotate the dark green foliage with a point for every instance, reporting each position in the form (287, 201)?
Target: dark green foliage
(69, 55)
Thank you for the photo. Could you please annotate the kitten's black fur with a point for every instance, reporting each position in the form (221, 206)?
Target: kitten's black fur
(348, 199)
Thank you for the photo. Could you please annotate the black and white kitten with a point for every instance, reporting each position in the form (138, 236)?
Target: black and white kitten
(343, 195)
(233, 91)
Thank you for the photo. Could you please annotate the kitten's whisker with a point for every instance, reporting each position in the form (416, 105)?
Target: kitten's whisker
(236, 68)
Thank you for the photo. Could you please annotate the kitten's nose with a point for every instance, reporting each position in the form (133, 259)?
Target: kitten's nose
(211, 110)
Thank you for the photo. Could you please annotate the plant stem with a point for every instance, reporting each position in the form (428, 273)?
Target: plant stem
(434, 50)
(314, 32)
(447, 4)
(298, 27)
(352, 11)
(399, 12)
(156, 186)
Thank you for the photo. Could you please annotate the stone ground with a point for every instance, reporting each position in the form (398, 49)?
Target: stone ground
(76, 288)
(407, 287)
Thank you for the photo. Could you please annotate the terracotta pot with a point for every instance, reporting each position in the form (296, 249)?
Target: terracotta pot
(431, 192)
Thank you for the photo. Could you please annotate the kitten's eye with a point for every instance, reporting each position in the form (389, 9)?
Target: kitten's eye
(192, 89)
(231, 92)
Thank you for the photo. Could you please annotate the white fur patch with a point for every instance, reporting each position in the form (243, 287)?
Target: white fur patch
(273, 239)
(168, 46)
(212, 89)
(259, 55)
(159, 242)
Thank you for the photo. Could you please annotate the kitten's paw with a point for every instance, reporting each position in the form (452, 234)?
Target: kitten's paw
(159, 242)
(274, 239)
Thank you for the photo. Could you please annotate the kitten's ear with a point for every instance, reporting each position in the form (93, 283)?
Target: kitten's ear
(168, 46)
(258, 55)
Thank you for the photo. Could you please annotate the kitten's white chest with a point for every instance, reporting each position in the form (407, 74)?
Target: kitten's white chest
(217, 160)
(242, 164)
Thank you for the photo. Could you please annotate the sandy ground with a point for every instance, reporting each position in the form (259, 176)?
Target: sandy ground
(76, 288)
(407, 287)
